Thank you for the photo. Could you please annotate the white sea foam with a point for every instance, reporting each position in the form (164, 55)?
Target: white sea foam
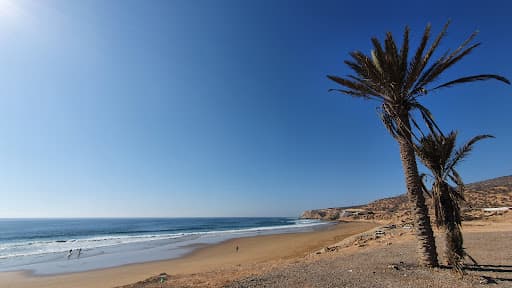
(43, 247)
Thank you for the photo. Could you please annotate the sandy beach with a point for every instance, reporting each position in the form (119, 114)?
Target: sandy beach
(391, 262)
(266, 249)
(344, 255)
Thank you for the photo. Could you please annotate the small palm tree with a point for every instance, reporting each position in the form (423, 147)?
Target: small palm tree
(437, 152)
(397, 82)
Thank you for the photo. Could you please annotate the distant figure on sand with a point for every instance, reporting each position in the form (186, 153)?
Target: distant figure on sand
(79, 252)
(70, 253)
(236, 248)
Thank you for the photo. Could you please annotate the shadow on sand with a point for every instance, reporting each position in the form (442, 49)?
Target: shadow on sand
(491, 268)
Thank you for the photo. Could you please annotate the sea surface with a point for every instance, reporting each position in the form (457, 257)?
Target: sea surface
(43, 245)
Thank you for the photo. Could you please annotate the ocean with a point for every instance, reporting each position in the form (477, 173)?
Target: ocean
(43, 245)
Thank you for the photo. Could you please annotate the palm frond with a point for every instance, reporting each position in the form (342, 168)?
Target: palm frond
(474, 78)
(351, 93)
(464, 44)
(393, 59)
(464, 151)
(446, 205)
(456, 192)
(402, 126)
(436, 43)
(415, 65)
(379, 60)
(417, 126)
(423, 186)
(437, 204)
(429, 54)
(454, 211)
(427, 151)
(366, 69)
(440, 68)
(404, 51)
(355, 88)
(376, 61)
(455, 177)
(428, 118)
(388, 122)
(367, 84)
(434, 67)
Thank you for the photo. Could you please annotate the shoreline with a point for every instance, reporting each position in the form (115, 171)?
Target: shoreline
(253, 249)
(193, 247)
(100, 256)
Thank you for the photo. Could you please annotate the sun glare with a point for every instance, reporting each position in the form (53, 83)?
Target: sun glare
(9, 10)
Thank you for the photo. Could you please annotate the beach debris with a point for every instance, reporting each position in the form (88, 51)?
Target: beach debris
(392, 266)
(332, 249)
(379, 233)
(328, 249)
(350, 270)
(163, 277)
(487, 280)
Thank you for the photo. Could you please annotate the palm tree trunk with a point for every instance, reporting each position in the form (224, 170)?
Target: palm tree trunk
(454, 252)
(426, 250)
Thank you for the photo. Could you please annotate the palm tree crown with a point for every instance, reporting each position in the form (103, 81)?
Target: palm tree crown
(438, 154)
(389, 76)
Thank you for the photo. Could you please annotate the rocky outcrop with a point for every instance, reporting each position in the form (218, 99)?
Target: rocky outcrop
(331, 214)
(323, 214)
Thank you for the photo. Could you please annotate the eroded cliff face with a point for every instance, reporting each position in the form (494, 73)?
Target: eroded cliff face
(323, 214)
(331, 214)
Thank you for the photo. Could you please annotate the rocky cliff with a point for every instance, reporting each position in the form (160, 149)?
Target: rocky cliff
(495, 192)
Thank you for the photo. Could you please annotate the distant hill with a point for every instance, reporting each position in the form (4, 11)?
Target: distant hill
(490, 193)
(495, 192)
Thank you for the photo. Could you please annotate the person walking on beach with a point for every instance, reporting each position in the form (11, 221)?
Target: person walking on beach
(237, 248)
(70, 253)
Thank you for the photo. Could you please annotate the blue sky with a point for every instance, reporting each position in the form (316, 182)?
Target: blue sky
(220, 108)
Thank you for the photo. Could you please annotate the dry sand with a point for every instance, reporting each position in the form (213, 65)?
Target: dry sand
(367, 261)
(262, 251)
(390, 262)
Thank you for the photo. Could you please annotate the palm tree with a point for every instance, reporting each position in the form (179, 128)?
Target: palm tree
(437, 152)
(397, 82)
